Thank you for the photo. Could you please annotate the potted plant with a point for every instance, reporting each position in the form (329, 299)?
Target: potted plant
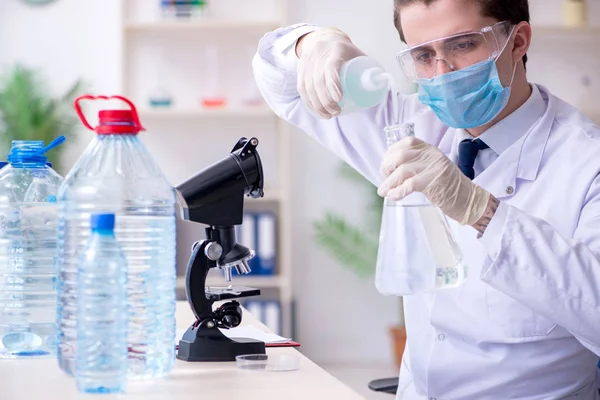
(29, 112)
(356, 247)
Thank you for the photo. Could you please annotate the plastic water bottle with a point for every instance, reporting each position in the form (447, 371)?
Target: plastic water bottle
(28, 214)
(116, 174)
(365, 84)
(417, 250)
(101, 363)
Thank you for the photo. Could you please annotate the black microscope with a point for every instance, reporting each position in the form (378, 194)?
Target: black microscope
(215, 197)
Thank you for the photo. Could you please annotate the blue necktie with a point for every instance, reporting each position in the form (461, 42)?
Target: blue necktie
(467, 152)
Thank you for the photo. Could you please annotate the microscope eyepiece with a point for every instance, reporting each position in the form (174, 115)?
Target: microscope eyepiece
(215, 195)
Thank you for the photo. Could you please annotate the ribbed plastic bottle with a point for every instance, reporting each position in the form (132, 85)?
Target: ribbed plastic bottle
(28, 215)
(101, 360)
(116, 174)
(365, 84)
(417, 250)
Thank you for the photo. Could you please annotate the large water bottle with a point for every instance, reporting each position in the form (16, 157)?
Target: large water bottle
(28, 214)
(101, 360)
(417, 250)
(365, 84)
(116, 174)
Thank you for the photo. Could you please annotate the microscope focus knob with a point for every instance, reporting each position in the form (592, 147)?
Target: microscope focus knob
(231, 321)
(229, 315)
(213, 251)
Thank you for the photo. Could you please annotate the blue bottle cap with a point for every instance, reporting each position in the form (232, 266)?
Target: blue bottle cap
(102, 222)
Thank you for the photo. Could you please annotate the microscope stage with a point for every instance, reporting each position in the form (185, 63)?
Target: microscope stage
(218, 293)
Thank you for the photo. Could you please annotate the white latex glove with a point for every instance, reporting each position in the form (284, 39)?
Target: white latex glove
(412, 165)
(321, 56)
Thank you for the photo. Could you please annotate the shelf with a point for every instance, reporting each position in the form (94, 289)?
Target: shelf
(199, 24)
(140, 29)
(226, 112)
(259, 282)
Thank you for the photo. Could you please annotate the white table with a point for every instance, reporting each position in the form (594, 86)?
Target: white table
(41, 379)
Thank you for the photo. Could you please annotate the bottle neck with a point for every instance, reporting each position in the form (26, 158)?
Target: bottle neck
(27, 154)
(395, 133)
(103, 233)
(392, 136)
(110, 135)
(374, 79)
(117, 128)
(27, 164)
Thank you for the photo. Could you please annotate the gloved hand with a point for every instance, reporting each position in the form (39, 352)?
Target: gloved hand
(412, 165)
(321, 56)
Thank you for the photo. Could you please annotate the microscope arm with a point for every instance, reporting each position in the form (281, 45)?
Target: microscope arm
(195, 280)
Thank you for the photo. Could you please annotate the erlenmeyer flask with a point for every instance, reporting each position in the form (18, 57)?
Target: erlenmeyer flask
(417, 251)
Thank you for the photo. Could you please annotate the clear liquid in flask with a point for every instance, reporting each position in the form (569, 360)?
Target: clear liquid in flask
(417, 250)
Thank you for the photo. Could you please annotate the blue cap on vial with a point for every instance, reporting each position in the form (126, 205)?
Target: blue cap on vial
(102, 222)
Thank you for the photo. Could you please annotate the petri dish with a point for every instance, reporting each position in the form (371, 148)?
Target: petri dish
(264, 362)
(252, 361)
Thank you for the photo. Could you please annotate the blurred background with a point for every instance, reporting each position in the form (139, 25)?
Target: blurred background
(189, 73)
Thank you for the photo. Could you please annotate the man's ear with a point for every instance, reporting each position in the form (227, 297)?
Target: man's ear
(522, 40)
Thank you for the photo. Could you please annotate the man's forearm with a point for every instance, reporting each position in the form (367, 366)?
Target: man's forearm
(485, 220)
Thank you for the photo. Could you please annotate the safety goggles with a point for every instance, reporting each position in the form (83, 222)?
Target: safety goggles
(453, 52)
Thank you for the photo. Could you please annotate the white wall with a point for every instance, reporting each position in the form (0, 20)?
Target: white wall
(339, 317)
(66, 40)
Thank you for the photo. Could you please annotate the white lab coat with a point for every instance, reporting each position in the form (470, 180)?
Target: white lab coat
(526, 324)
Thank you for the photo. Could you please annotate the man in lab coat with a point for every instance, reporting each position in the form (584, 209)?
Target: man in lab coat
(515, 168)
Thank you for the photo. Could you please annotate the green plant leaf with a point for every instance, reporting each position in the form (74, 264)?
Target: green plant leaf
(354, 248)
(351, 246)
(350, 173)
(375, 211)
(29, 112)
(71, 94)
(376, 202)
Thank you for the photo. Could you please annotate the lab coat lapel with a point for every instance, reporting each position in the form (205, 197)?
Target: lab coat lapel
(500, 178)
(522, 160)
(446, 144)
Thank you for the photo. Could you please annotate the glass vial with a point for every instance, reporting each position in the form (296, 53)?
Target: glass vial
(213, 96)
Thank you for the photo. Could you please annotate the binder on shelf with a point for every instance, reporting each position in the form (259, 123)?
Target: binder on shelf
(259, 232)
(254, 307)
(272, 315)
(267, 242)
(266, 311)
(247, 236)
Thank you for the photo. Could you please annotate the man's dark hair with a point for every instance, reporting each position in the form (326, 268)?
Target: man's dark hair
(514, 11)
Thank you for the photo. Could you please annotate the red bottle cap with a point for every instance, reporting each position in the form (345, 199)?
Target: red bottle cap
(112, 122)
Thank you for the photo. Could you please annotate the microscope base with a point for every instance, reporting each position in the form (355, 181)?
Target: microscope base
(217, 349)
